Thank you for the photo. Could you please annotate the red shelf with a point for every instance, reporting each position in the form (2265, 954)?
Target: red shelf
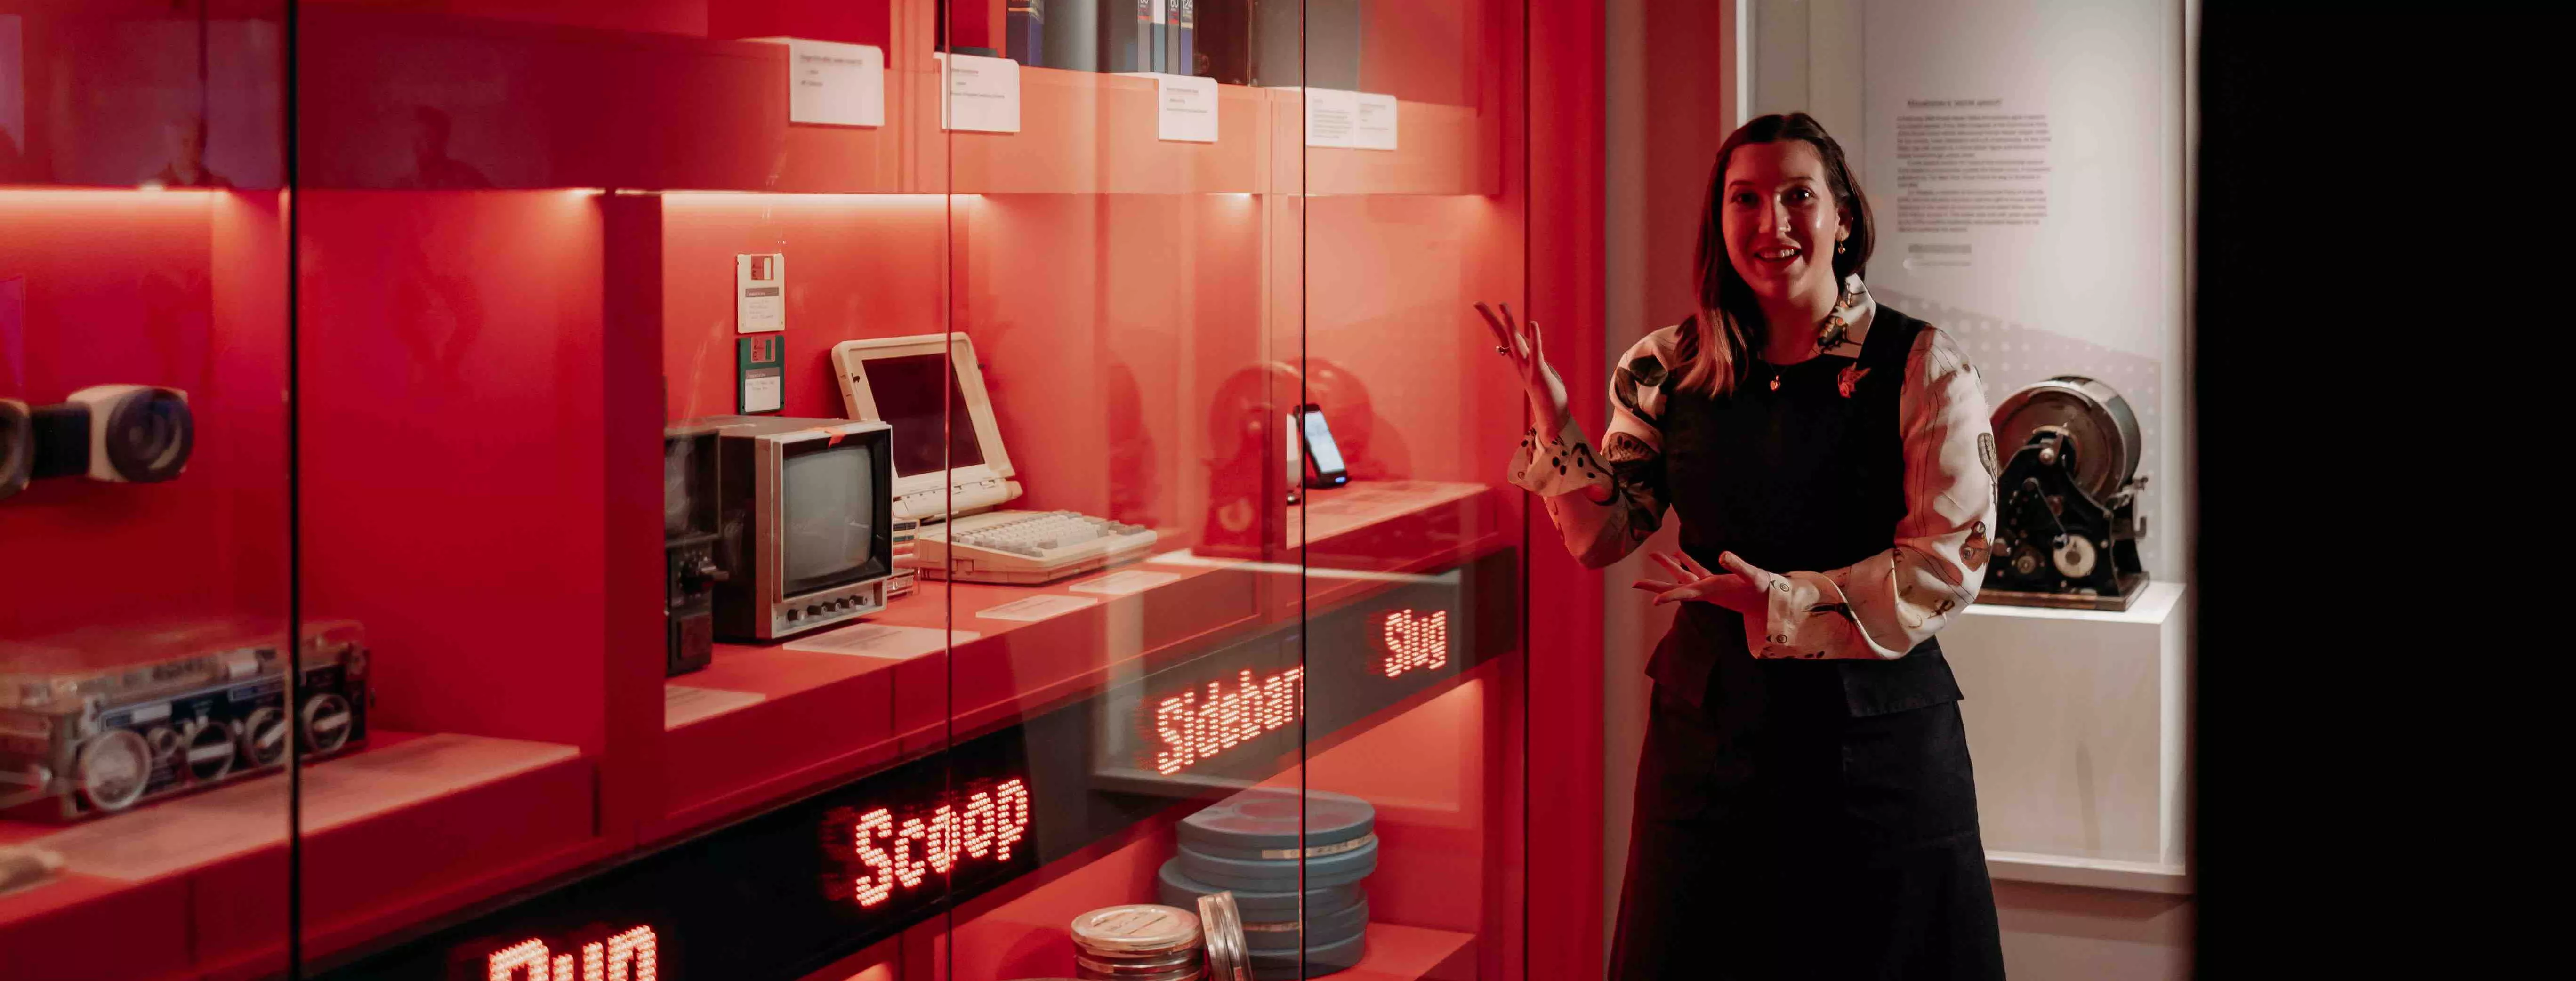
(820, 716)
(401, 831)
(824, 718)
(1403, 953)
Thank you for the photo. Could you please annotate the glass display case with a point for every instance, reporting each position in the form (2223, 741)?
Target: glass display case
(1070, 494)
(149, 689)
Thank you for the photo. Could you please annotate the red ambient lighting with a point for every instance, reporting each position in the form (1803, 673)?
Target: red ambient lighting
(883, 855)
(1194, 729)
(628, 956)
(1414, 640)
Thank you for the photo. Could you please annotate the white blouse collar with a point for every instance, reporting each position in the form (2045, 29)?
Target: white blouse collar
(1856, 310)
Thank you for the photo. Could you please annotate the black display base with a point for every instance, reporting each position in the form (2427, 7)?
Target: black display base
(2132, 586)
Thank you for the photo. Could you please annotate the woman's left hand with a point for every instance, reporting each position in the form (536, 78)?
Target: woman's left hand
(1741, 587)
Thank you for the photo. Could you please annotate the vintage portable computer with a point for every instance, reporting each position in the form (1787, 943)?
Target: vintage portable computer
(909, 383)
(803, 527)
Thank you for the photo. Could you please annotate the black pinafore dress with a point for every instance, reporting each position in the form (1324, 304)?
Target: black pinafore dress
(1795, 818)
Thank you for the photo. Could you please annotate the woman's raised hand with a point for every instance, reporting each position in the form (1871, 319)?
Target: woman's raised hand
(1527, 350)
(1740, 588)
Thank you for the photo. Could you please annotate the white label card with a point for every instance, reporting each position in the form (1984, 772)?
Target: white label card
(1124, 582)
(764, 393)
(1037, 607)
(682, 705)
(760, 293)
(1350, 120)
(883, 640)
(834, 84)
(983, 94)
(1184, 107)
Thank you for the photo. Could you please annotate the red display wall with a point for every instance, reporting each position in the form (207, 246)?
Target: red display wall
(176, 288)
(515, 225)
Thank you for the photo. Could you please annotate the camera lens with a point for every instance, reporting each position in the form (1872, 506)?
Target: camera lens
(17, 446)
(148, 435)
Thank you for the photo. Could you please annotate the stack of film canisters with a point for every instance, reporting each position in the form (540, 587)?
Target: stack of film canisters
(1251, 844)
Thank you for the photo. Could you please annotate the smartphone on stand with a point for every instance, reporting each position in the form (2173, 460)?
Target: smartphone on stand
(1324, 466)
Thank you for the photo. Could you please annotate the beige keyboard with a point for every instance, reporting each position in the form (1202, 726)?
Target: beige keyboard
(1025, 546)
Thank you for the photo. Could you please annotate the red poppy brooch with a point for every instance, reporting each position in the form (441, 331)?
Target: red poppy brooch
(1850, 379)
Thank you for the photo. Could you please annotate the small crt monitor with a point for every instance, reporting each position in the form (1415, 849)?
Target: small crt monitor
(804, 523)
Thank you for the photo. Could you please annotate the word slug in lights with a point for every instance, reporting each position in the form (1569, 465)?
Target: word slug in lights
(1414, 640)
(881, 855)
(628, 956)
(1193, 730)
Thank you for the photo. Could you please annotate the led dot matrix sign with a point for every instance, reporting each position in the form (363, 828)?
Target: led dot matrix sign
(630, 955)
(865, 860)
(1414, 640)
(882, 853)
(1191, 726)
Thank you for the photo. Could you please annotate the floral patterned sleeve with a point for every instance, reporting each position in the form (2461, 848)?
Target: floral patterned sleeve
(1606, 503)
(1883, 606)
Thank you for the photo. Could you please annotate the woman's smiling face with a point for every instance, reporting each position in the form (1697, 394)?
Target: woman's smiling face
(1779, 218)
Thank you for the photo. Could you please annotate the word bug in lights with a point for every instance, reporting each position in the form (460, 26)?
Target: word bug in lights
(628, 956)
(1414, 640)
(883, 855)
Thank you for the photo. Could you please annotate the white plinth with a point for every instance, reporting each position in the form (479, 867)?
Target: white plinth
(2075, 720)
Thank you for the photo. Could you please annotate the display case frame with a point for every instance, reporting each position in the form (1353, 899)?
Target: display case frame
(488, 278)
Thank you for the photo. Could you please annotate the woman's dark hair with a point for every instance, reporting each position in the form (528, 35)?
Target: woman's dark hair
(1730, 322)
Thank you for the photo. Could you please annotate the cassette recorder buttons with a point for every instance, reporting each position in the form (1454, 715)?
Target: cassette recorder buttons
(17, 447)
(264, 737)
(1137, 943)
(210, 751)
(326, 723)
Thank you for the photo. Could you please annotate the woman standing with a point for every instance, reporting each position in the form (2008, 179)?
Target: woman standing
(1805, 807)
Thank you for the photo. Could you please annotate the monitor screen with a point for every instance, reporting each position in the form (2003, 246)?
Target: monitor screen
(831, 514)
(907, 389)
